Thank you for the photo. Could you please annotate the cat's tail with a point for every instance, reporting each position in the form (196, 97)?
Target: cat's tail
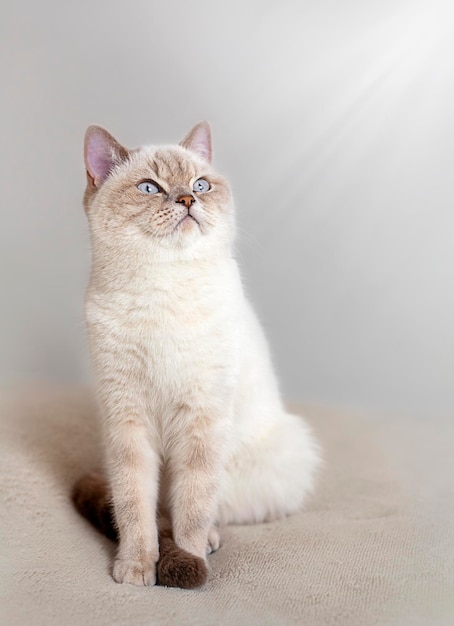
(175, 568)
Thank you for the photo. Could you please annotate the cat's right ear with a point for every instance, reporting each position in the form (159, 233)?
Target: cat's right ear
(198, 140)
(101, 153)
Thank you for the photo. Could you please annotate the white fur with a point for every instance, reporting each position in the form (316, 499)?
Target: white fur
(183, 366)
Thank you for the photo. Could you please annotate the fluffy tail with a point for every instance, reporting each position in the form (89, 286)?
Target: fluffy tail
(176, 567)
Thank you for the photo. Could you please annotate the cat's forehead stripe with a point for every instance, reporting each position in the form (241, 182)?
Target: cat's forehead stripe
(168, 163)
(156, 167)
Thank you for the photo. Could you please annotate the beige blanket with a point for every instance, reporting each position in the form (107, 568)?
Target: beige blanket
(374, 546)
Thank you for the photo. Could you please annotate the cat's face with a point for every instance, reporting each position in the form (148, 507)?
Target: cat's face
(160, 199)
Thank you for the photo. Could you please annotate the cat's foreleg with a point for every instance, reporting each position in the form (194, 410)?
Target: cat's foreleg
(133, 474)
(133, 469)
(132, 461)
(197, 466)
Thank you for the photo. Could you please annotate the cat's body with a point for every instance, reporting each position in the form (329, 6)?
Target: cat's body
(194, 424)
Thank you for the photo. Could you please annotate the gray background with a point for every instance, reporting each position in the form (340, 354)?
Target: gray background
(335, 124)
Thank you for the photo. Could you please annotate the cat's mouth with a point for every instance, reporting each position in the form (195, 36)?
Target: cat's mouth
(187, 221)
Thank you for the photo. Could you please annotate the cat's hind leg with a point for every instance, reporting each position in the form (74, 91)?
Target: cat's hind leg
(214, 541)
(270, 473)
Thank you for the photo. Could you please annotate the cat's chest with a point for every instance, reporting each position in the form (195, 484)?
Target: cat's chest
(183, 310)
(180, 335)
(174, 319)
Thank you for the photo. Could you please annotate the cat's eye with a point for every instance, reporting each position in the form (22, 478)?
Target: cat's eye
(201, 185)
(148, 186)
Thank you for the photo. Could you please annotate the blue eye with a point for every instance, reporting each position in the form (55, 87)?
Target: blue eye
(201, 185)
(148, 187)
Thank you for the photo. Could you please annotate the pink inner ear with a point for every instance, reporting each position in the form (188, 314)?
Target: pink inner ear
(201, 145)
(200, 142)
(99, 157)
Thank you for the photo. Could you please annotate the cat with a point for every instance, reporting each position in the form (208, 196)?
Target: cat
(196, 435)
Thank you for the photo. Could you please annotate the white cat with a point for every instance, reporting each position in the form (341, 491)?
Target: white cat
(194, 424)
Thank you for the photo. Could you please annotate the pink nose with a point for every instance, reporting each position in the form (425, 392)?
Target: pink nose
(188, 200)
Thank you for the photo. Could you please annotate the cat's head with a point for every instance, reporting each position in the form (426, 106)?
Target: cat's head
(165, 201)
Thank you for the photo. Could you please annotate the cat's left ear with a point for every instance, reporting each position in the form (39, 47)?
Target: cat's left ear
(198, 140)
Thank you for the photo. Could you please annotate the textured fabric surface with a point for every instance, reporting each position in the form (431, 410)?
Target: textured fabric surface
(375, 544)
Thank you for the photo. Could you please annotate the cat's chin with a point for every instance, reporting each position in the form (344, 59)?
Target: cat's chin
(187, 233)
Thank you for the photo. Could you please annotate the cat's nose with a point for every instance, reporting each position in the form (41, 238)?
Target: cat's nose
(187, 200)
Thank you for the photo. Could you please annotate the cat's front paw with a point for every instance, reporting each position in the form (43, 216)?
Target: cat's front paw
(141, 572)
